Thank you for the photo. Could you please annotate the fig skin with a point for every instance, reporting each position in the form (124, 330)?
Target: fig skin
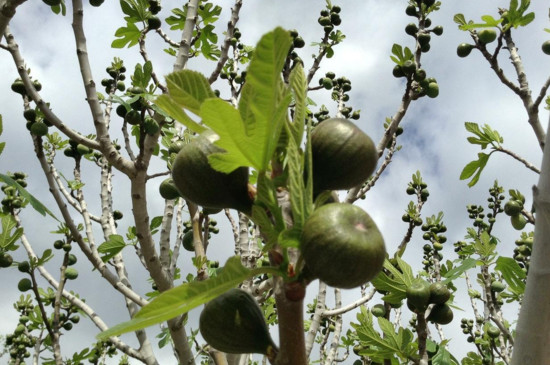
(343, 155)
(342, 245)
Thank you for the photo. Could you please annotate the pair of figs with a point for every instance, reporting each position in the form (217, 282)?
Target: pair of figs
(343, 157)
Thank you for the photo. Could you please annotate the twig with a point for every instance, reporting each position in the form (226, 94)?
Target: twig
(227, 41)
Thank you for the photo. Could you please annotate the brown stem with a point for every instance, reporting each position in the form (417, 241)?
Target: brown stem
(291, 328)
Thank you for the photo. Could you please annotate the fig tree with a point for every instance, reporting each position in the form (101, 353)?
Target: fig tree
(234, 323)
(198, 182)
(343, 155)
(342, 245)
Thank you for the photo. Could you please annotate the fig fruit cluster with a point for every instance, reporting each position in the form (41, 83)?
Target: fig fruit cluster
(421, 294)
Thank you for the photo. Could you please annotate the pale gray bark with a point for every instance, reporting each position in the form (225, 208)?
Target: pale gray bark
(532, 343)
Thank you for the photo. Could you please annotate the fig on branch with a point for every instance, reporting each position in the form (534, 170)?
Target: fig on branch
(168, 190)
(439, 293)
(343, 155)
(487, 35)
(546, 47)
(464, 49)
(198, 182)
(234, 323)
(342, 245)
(24, 284)
(418, 295)
(441, 314)
(187, 241)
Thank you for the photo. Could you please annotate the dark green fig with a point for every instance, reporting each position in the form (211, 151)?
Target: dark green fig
(198, 182)
(546, 47)
(96, 2)
(168, 190)
(342, 245)
(464, 49)
(24, 266)
(18, 87)
(411, 29)
(39, 129)
(24, 284)
(439, 293)
(30, 115)
(487, 35)
(117, 214)
(211, 211)
(133, 117)
(234, 323)
(418, 295)
(343, 155)
(424, 38)
(438, 30)
(409, 67)
(441, 314)
(187, 241)
(5, 260)
(153, 22)
(150, 126)
(121, 111)
(71, 260)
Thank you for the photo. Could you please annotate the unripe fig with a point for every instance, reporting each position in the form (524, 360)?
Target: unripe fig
(487, 35)
(234, 323)
(441, 314)
(198, 182)
(343, 155)
(342, 245)
(418, 295)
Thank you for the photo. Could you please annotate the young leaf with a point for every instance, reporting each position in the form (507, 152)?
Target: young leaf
(475, 168)
(511, 273)
(298, 86)
(112, 247)
(189, 89)
(455, 272)
(182, 299)
(296, 185)
(264, 98)
(241, 148)
(7, 238)
(175, 111)
(128, 36)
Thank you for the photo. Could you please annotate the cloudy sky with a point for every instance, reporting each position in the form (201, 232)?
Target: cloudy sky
(434, 141)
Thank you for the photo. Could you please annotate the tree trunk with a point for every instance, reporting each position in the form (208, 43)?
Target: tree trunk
(532, 344)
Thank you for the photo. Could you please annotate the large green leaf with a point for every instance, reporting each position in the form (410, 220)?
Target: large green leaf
(182, 299)
(264, 99)
(455, 272)
(112, 247)
(396, 284)
(35, 203)
(242, 149)
(189, 89)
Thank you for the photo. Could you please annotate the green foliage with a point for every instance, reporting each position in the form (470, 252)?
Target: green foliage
(399, 347)
(112, 247)
(181, 299)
